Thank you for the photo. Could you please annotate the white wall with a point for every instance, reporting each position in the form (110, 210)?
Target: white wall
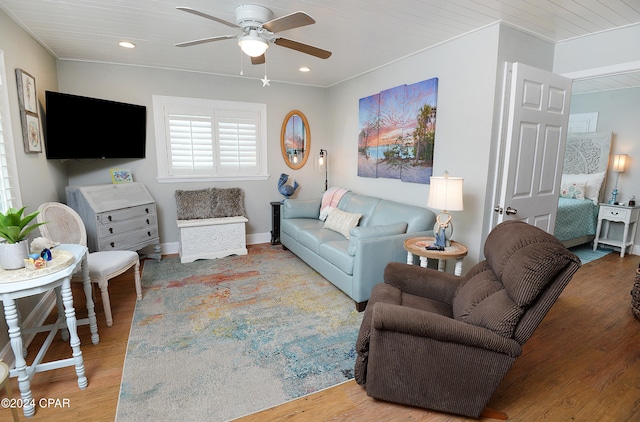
(470, 72)
(39, 182)
(138, 84)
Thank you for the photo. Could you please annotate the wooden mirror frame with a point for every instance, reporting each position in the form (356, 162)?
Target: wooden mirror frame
(288, 130)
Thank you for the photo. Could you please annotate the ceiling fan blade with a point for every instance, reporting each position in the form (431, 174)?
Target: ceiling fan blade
(258, 60)
(204, 15)
(303, 48)
(205, 40)
(290, 21)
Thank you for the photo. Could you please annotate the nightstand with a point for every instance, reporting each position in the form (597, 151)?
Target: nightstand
(617, 214)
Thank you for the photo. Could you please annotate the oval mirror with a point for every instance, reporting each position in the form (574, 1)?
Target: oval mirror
(295, 139)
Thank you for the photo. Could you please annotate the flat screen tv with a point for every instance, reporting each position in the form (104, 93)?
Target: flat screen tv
(90, 128)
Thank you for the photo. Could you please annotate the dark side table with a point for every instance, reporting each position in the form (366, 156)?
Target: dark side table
(275, 222)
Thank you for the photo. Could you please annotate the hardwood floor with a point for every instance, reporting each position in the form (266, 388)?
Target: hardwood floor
(582, 364)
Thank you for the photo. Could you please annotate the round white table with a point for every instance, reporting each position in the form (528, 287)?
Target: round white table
(15, 284)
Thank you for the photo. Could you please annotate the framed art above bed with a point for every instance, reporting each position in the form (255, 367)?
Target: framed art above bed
(582, 188)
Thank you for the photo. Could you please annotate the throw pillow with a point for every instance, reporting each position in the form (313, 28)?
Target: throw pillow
(230, 203)
(193, 204)
(374, 231)
(592, 182)
(341, 222)
(572, 190)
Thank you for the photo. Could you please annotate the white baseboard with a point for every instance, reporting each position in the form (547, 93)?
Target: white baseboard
(36, 318)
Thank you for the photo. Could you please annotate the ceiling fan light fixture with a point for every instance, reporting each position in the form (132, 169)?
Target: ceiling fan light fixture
(252, 45)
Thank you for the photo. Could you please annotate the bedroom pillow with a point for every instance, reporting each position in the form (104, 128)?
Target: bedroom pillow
(341, 222)
(592, 183)
(572, 190)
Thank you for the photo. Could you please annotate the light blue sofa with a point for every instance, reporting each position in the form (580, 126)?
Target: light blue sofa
(353, 265)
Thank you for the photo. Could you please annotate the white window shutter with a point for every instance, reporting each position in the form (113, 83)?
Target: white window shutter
(191, 141)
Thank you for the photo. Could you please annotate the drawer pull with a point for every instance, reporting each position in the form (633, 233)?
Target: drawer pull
(614, 212)
(109, 217)
(149, 234)
(148, 221)
(111, 230)
(147, 210)
(113, 245)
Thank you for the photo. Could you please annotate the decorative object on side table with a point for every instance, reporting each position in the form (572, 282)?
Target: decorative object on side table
(445, 194)
(619, 166)
(14, 229)
(284, 189)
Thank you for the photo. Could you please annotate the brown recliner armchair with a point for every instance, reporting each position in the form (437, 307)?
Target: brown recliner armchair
(443, 342)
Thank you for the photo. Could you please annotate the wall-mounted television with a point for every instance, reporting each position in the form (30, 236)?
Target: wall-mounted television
(90, 128)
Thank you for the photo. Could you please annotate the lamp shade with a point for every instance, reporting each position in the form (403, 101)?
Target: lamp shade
(619, 163)
(445, 193)
(252, 45)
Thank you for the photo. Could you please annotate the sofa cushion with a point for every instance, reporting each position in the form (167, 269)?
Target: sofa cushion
(194, 204)
(294, 226)
(313, 238)
(297, 208)
(341, 221)
(357, 233)
(483, 301)
(359, 204)
(336, 252)
(389, 212)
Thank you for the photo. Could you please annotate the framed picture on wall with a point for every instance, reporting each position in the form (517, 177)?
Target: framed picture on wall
(29, 116)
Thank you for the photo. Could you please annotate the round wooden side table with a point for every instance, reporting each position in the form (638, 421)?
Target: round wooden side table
(417, 246)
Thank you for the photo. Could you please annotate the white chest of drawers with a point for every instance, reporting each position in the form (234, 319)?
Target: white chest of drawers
(117, 217)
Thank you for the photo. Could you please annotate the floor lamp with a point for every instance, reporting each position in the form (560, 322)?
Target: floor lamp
(322, 162)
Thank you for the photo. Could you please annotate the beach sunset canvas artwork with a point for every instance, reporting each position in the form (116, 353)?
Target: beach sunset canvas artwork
(397, 132)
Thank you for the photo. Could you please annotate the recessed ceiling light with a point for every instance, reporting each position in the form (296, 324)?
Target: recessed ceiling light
(304, 69)
(126, 44)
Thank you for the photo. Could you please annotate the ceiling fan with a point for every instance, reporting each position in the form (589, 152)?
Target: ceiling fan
(259, 30)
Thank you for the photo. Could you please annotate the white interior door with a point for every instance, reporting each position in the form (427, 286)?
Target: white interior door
(533, 151)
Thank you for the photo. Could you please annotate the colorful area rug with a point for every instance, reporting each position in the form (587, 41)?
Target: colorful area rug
(218, 339)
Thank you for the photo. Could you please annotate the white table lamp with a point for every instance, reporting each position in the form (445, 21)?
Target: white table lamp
(619, 166)
(445, 194)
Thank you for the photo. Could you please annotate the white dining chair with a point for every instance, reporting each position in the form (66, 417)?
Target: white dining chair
(64, 225)
(4, 383)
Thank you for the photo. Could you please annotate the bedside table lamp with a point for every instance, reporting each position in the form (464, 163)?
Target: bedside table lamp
(445, 194)
(619, 166)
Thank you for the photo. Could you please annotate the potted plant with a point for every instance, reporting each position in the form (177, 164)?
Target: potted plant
(14, 230)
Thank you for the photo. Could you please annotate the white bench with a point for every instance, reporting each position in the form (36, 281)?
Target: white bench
(211, 238)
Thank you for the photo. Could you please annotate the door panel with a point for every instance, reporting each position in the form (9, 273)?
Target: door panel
(535, 137)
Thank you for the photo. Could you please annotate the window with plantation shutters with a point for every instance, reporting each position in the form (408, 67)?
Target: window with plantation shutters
(202, 140)
(9, 188)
